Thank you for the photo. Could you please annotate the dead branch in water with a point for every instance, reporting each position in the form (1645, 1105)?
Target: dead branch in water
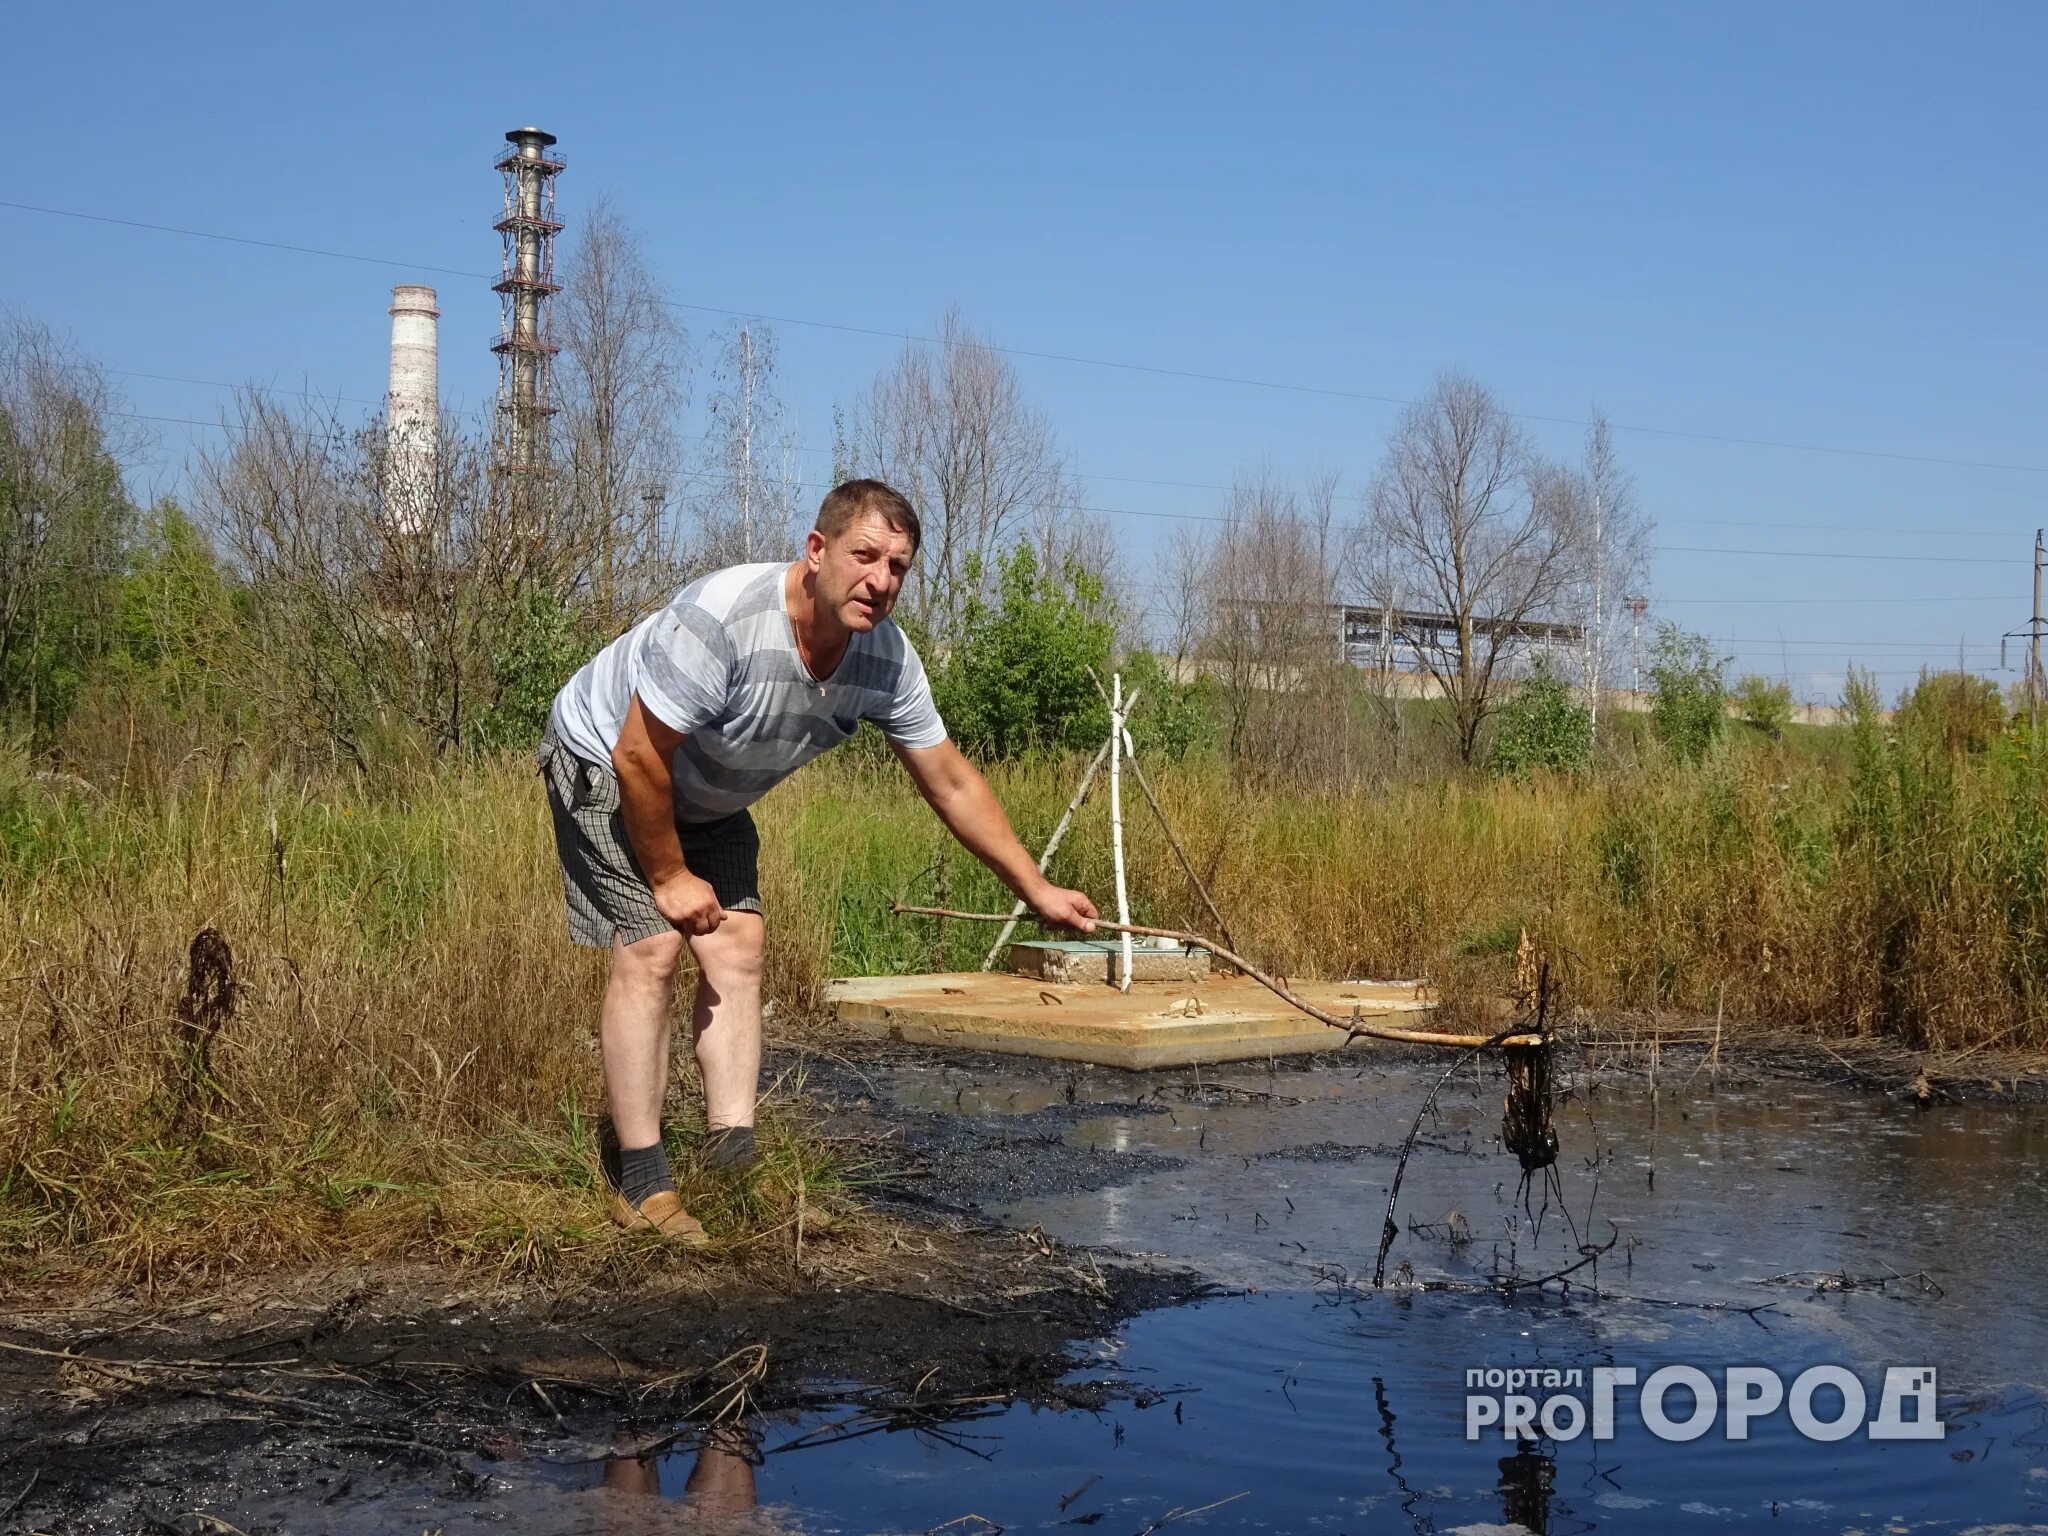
(1519, 1035)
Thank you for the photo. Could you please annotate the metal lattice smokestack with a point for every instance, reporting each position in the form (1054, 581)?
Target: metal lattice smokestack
(525, 347)
(413, 409)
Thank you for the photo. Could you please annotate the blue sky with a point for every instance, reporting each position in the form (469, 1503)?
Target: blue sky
(1813, 224)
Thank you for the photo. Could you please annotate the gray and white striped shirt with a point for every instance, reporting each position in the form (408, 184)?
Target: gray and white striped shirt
(720, 664)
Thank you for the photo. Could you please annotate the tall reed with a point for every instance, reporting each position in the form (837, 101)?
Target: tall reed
(411, 1054)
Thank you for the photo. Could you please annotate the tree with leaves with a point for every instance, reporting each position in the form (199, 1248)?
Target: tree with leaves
(1688, 694)
(66, 522)
(1016, 679)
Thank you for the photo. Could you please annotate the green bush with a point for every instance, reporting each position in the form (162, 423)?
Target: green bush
(1690, 697)
(1765, 705)
(1542, 728)
(1957, 711)
(1173, 718)
(1016, 680)
(539, 649)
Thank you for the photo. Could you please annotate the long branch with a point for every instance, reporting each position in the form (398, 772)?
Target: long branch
(1351, 1026)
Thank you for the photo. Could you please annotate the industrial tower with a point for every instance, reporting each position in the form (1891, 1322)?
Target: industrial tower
(412, 411)
(525, 345)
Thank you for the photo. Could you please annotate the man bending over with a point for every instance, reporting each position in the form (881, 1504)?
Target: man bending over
(653, 753)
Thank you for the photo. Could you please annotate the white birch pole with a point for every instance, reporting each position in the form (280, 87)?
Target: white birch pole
(1116, 818)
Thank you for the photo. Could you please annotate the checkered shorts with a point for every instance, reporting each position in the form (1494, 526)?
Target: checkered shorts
(601, 879)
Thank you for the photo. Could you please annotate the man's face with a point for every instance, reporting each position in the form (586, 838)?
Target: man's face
(860, 570)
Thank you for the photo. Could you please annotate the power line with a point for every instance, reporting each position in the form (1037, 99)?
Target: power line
(1831, 554)
(1156, 370)
(1689, 602)
(256, 389)
(268, 245)
(1190, 485)
(1215, 517)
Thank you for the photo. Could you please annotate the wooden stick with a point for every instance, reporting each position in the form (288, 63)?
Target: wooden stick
(1116, 822)
(1051, 847)
(1351, 1026)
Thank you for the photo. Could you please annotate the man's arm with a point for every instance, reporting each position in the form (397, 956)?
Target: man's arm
(954, 788)
(647, 802)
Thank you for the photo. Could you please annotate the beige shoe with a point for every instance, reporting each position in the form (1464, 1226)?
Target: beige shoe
(663, 1212)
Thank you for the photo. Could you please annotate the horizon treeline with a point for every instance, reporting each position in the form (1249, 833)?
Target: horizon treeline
(298, 598)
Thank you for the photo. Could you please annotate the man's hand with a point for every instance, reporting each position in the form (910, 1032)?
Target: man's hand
(1059, 908)
(956, 790)
(691, 904)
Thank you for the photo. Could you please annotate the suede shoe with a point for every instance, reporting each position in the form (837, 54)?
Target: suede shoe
(661, 1212)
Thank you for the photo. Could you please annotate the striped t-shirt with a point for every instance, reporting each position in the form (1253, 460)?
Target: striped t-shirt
(720, 664)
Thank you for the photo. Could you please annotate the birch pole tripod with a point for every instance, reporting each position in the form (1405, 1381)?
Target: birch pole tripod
(1120, 752)
(1116, 823)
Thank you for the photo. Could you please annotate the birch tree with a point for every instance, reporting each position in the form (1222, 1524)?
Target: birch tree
(1614, 558)
(751, 494)
(1270, 630)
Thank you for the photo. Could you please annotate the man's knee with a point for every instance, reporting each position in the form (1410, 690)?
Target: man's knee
(730, 958)
(653, 958)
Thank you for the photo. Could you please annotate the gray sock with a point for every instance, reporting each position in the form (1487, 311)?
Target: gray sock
(728, 1148)
(643, 1171)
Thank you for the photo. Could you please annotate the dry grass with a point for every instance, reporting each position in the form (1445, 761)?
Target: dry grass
(410, 1068)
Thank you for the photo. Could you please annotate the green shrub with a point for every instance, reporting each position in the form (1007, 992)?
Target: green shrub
(539, 649)
(1542, 728)
(1765, 705)
(1017, 676)
(1689, 694)
(1173, 718)
(1957, 711)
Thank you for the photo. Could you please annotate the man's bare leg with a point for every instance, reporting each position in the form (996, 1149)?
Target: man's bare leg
(726, 1019)
(635, 1031)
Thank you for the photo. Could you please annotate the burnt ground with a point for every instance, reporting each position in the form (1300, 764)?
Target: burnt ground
(334, 1391)
(323, 1391)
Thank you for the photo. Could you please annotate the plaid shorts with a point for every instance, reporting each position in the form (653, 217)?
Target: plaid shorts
(601, 879)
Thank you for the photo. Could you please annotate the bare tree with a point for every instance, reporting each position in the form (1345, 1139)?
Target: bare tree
(948, 425)
(1472, 554)
(369, 622)
(1613, 557)
(623, 378)
(1181, 606)
(65, 515)
(1269, 628)
(1069, 539)
(752, 483)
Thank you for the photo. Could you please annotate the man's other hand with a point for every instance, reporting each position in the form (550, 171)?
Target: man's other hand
(1058, 908)
(690, 904)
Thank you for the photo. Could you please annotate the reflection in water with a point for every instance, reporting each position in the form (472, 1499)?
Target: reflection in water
(1527, 1479)
(1723, 1191)
(721, 1480)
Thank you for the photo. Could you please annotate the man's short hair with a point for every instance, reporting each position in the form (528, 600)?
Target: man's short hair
(851, 500)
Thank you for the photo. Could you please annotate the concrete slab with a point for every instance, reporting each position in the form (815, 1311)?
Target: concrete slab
(1157, 1024)
(1096, 960)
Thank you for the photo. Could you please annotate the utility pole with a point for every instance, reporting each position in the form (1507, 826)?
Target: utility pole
(2032, 632)
(747, 443)
(1637, 607)
(2034, 659)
